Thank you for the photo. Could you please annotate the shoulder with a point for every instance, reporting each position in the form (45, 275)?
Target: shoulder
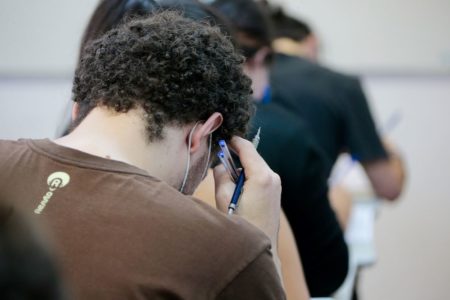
(219, 245)
(275, 117)
(7, 145)
(12, 151)
(286, 66)
(284, 135)
(231, 245)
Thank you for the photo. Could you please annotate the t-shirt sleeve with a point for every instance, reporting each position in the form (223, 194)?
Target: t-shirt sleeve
(362, 139)
(258, 280)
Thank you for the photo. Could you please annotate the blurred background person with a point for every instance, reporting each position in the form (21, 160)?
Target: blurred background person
(333, 104)
(290, 149)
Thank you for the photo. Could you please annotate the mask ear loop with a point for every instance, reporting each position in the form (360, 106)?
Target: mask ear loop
(188, 163)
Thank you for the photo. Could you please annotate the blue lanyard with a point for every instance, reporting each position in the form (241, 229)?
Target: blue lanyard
(267, 95)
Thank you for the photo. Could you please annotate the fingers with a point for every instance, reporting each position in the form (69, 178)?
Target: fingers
(251, 161)
(256, 168)
(224, 187)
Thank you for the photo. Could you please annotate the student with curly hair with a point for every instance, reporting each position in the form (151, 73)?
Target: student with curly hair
(151, 97)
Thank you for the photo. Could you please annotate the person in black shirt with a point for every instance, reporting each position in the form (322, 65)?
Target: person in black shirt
(332, 104)
(291, 151)
(288, 147)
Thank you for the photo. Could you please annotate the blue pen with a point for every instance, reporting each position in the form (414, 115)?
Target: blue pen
(227, 167)
(240, 181)
(237, 193)
(227, 154)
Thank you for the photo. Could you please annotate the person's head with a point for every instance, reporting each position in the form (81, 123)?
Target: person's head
(251, 23)
(176, 71)
(293, 36)
(254, 37)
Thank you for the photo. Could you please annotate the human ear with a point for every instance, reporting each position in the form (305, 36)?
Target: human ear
(260, 56)
(205, 129)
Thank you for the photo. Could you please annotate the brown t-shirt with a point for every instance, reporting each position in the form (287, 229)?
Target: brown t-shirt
(122, 234)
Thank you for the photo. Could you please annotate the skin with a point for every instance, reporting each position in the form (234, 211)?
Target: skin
(387, 176)
(308, 48)
(341, 202)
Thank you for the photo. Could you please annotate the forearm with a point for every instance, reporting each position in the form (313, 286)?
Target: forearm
(341, 202)
(291, 266)
(387, 176)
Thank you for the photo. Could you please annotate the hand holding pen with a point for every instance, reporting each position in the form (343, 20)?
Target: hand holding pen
(260, 200)
(237, 176)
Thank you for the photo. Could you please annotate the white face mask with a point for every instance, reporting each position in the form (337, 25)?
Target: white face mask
(188, 162)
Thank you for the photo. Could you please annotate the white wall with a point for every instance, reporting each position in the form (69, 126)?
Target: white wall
(413, 235)
(41, 37)
(33, 108)
(379, 36)
(371, 36)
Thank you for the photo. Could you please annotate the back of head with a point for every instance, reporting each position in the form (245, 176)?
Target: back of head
(251, 22)
(285, 26)
(178, 70)
(292, 36)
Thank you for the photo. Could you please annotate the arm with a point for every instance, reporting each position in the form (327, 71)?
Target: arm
(381, 162)
(387, 176)
(258, 280)
(341, 202)
(291, 266)
(317, 231)
(260, 200)
(293, 277)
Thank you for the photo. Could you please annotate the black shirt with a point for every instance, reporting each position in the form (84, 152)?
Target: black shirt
(289, 150)
(333, 106)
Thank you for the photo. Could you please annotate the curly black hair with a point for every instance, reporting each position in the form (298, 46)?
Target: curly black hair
(178, 70)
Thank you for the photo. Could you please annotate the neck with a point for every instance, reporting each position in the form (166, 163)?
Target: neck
(293, 48)
(123, 137)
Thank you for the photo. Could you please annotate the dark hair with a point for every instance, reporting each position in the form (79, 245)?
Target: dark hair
(178, 70)
(251, 22)
(286, 26)
(112, 13)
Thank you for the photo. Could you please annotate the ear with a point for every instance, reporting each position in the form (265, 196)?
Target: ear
(260, 56)
(205, 129)
(75, 111)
